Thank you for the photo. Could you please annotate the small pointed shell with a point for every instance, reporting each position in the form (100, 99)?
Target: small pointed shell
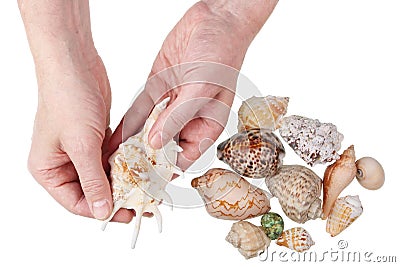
(370, 173)
(337, 177)
(248, 238)
(345, 211)
(297, 239)
(262, 112)
(228, 196)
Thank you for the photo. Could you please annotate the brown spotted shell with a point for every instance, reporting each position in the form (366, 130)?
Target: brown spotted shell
(256, 153)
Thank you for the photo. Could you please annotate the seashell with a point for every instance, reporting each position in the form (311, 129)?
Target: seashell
(272, 224)
(228, 196)
(255, 153)
(370, 173)
(297, 239)
(345, 211)
(139, 173)
(262, 112)
(313, 141)
(337, 177)
(248, 238)
(297, 189)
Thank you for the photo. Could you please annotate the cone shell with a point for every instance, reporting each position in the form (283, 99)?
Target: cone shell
(297, 239)
(298, 189)
(337, 177)
(228, 196)
(248, 238)
(262, 112)
(255, 153)
(345, 211)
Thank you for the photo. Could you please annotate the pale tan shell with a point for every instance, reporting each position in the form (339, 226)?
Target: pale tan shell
(228, 196)
(297, 239)
(345, 211)
(370, 173)
(262, 112)
(298, 189)
(139, 173)
(337, 177)
(248, 238)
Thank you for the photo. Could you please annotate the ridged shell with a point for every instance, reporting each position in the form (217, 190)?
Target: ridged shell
(313, 141)
(255, 153)
(262, 112)
(337, 177)
(228, 196)
(298, 190)
(248, 238)
(345, 211)
(297, 239)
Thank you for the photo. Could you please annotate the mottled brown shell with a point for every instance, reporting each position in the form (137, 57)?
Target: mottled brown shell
(256, 153)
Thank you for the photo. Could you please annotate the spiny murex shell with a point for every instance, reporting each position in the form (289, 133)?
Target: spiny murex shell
(139, 173)
(298, 189)
(297, 239)
(262, 112)
(228, 196)
(313, 141)
(255, 153)
(345, 211)
(248, 238)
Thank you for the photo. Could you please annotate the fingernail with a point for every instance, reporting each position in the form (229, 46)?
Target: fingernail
(101, 209)
(156, 141)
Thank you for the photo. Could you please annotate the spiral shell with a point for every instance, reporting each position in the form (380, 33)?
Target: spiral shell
(262, 112)
(229, 196)
(248, 238)
(370, 173)
(298, 189)
(255, 153)
(297, 239)
(345, 211)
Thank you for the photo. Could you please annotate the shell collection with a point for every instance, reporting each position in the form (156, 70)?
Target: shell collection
(297, 239)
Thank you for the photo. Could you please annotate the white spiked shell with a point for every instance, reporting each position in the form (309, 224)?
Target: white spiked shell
(297, 239)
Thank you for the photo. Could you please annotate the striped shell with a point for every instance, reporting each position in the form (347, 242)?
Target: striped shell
(345, 211)
(262, 112)
(248, 238)
(228, 196)
(297, 239)
(255, 153)
(298, 189)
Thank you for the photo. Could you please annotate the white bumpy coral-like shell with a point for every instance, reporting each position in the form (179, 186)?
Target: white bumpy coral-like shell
(139, 173)
(345, 211)
(248, 238)
(228, 196)
(262, 112)
(297, 239)
(313, 141)
(298, 190)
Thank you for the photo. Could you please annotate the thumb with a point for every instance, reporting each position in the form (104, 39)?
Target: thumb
(86, 156)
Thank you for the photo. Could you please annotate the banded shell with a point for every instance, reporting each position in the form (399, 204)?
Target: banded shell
(255, 153)
(139, 173)
(272, 224)
(297, 239)
(262, 112)
(298, 189)
(337, 177)
(228, 196)
(345, 212)
(313, 141)
(248, 238)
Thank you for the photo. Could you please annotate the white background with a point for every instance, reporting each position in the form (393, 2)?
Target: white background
(338, 61)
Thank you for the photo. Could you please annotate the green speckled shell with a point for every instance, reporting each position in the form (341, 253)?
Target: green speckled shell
(273, 225)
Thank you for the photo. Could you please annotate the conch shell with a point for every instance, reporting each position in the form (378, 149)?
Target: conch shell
(256, 153)
(139, 174)
(345, 211)
(298, 189)
(248, 238)
(297, 239)
(228, 196)
(262, 112)
(337, 177)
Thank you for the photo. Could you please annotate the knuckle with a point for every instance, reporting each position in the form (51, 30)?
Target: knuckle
(92, 187)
